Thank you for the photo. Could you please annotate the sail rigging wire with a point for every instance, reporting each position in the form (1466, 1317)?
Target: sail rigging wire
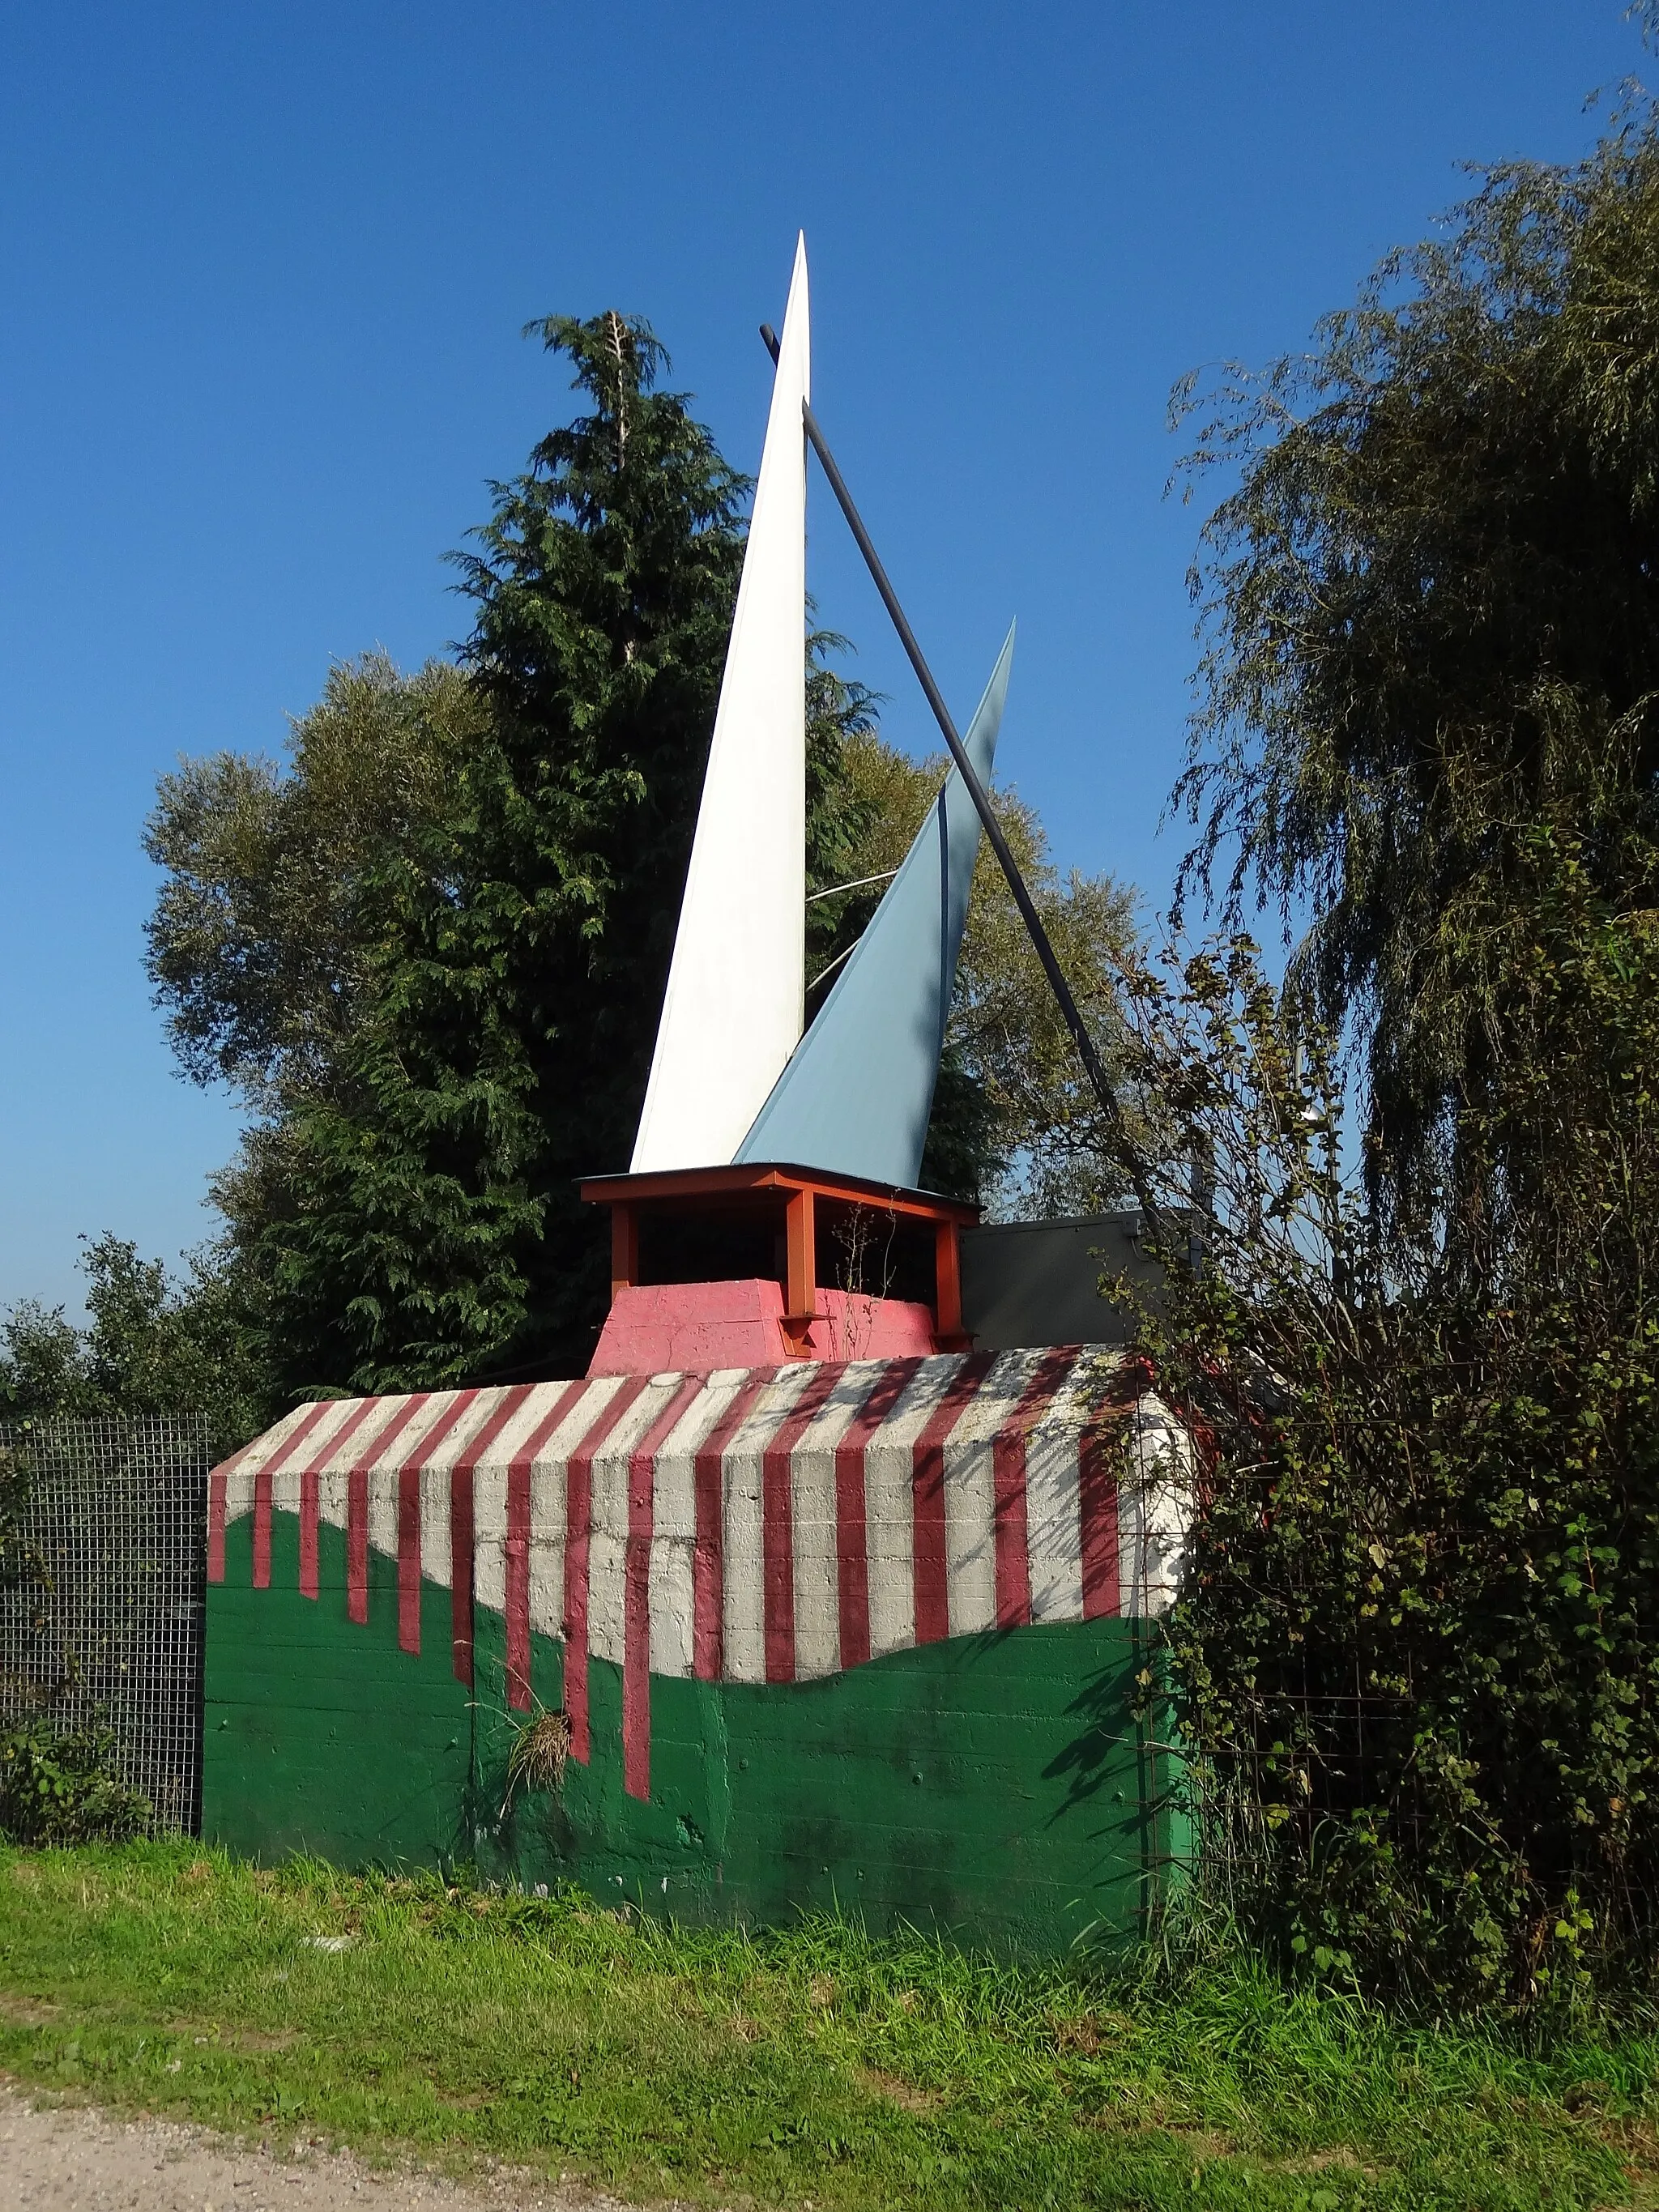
(830, 966)
(885, 876)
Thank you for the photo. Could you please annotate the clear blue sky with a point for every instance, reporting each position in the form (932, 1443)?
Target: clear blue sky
(264, 270)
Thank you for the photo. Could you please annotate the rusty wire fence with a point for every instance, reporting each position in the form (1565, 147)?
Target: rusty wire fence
(101, 1616)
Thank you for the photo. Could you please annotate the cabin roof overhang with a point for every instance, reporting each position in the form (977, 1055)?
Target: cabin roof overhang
(668, 1185)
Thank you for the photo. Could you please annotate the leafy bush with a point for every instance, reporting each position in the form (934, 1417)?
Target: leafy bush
(58, 1785)
(1419, 1642)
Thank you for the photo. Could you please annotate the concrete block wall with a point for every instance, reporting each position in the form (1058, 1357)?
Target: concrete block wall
(865, 1633)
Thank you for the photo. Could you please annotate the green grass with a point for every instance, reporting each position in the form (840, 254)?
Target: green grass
(811, 2067)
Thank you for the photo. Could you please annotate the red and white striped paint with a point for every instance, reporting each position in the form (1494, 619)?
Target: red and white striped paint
(754, 1525)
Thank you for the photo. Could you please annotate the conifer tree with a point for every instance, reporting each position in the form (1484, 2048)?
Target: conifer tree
(422, 1223)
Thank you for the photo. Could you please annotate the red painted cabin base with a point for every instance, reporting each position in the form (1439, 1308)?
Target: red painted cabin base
(696, 1327)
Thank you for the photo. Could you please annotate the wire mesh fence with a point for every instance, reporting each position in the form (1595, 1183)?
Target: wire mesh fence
(103, 1621)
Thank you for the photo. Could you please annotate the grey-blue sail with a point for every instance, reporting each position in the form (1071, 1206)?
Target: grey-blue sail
(858, 1089)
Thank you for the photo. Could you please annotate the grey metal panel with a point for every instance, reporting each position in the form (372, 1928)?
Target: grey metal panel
(1037, 1282)
(858, 1088)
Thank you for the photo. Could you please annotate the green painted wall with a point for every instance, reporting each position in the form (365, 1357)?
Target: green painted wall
(996, 1786)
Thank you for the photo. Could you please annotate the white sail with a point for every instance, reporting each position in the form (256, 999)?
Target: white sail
(732, 1013)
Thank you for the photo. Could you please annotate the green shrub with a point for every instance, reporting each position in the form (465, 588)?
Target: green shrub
(58, 1785)
(1418, 1642)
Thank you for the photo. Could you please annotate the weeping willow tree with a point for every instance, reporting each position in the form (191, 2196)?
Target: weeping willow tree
(1430, 607)
(1416, 1639)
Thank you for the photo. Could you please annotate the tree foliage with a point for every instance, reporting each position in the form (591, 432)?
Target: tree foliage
(418, 1220)
(151, 1345)
(261, 939)
(1432, 614)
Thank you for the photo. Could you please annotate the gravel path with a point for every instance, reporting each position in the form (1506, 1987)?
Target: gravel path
(70, 2157)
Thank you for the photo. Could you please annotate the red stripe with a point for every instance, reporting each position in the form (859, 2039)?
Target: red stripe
(1097, 1485)
(460, 1574)
(280, 1457)
(778, 1522)
(410, 1564)
(933, 1594)
(460, 1515)
(409, 1559)
(217, 1487)
(578, 1534)
(229, 1466)
(357, 1545)
(852, 1540)
(436, 1434)
(348, 1429)
(309, 1514)
(709, 1551)
(311, 1489)
(1013, 1567)
(357, 1476)
(216, 1525)
(636, 1590)
(517, 1547)
(408, 1502)
(311, 1500)
(262, 1530)
(394, 1428)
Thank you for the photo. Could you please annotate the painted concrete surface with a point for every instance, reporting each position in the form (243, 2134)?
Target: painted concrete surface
(871, 1635)
(703, 1327)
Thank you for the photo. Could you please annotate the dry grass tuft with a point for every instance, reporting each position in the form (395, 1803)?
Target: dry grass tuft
(536, 1761)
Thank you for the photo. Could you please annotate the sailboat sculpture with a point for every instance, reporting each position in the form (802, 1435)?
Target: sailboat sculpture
(733, 1081)
(795, 1564)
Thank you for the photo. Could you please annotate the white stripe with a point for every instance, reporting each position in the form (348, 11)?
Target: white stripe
(238, 1489)
(970, 1495)
(1053, 1524)
(383, 1483)
(331, 1497)
(435, 1562)
(239, 1478)
(1154, 1511)
(489, 1537)
(547, 1509)
(489, 1480)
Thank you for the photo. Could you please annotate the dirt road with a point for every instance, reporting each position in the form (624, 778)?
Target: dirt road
(70, 2158)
